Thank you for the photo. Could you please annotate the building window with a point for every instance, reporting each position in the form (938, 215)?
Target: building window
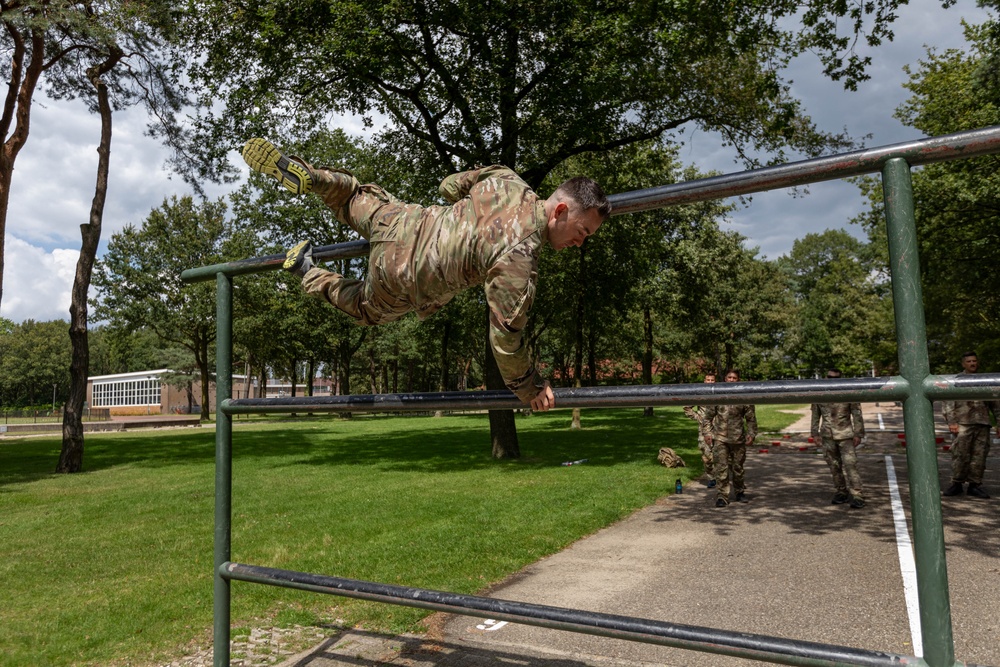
(118, 393)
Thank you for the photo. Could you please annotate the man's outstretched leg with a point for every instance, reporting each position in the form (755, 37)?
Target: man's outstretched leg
(353, 204)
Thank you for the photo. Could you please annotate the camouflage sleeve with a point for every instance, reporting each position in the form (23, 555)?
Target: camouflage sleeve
(751, 417)
(814, 425)
(948, 410)
(857, 420)
(994, 407)
(510, 291)
(456, 186)
(708, 421)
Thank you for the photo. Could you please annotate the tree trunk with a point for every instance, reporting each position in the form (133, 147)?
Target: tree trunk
(647, 354)
(503, 428)
(17, 111)
(575, 424)
(206, 378)
(443, 377)
(71, 455)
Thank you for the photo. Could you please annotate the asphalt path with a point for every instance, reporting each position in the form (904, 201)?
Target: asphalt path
(785, 564)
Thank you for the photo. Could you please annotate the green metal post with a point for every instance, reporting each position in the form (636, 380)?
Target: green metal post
(918, 417)
(223, 465)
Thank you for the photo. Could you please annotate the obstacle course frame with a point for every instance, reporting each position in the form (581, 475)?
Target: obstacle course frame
(915, 387)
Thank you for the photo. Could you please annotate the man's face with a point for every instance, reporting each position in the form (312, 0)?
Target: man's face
(970, 363)
(732, 376)
(571, 227)
(833, 376)
(710, 378)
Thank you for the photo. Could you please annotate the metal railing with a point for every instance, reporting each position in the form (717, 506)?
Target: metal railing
(914, 386)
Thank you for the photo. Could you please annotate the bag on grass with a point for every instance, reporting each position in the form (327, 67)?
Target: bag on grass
(670, 459)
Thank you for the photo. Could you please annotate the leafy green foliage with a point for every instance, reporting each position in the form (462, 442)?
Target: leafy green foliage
(33, 357)
(529, 85)
(138, 279)
(844, 315)
(957, 206)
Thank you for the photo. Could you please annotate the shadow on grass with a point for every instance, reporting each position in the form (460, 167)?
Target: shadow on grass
(414, 443)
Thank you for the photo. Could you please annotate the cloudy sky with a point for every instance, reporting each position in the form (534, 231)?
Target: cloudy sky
(55, 173)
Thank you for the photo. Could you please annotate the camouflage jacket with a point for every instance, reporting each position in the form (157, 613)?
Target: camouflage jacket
(491, 234)
(840, 421)
(730, 424)
(970, 412)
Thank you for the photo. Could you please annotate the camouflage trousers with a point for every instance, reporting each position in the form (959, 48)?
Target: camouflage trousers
(968, 453)
(843, 462)
(370, 211)
(728, 460)
(707, 458)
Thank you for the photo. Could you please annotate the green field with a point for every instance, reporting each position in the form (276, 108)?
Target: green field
(113, 566)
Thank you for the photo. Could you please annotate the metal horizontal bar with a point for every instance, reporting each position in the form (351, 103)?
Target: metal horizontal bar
(739, 644)
(973, 143)
(781, 391)
(956, 146)
(977, 386)
(274, 262)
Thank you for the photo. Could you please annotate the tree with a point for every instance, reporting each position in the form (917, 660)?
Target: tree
(138, 279)
(842, 319)
(957, 204)
(528, 85)
(34, 356)
(104, 52)
(56, 43)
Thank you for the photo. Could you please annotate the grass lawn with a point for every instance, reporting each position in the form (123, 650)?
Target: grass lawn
(113, 566)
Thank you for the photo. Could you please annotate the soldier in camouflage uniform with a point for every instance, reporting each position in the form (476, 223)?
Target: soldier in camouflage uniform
(421, 257)
(841, 428)
(697, 413)
(969, 422)
(729, 430)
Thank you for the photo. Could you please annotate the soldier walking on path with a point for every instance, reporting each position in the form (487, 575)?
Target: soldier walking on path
(969, 422)
(729, 430)
(697, 413)
(421, 257)
(842, 429)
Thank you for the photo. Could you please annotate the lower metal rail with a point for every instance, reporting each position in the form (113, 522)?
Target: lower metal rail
(723, 642)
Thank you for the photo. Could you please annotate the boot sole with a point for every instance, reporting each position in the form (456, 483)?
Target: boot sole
(264, 157)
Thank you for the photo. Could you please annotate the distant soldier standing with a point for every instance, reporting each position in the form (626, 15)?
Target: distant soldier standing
(697, 413)
(969, 422)
(842, 429)
(729, 430)
(422, 256)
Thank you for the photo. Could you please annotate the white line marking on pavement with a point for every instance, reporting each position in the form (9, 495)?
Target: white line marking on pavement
(881, 424)
(489, 625)
(907, 567)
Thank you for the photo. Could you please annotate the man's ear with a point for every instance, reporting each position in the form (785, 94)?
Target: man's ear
(560, 208)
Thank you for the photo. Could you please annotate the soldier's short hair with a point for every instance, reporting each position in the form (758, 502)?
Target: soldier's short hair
(587, 193)
(732, 370)
(970, 353)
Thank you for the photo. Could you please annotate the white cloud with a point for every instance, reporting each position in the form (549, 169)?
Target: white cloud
(36, 284)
